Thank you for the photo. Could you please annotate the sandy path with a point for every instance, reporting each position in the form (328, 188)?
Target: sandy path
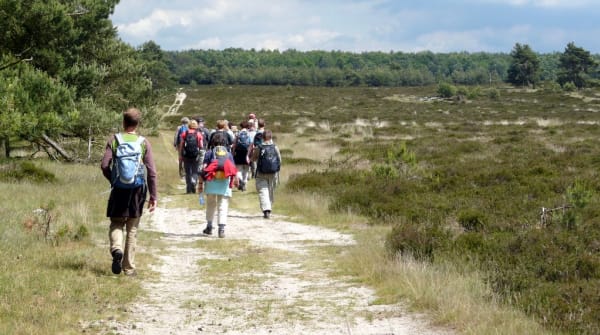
(288, 297)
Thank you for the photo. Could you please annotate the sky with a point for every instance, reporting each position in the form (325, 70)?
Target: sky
(361, 25)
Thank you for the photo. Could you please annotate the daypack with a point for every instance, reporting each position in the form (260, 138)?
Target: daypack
(268, 160)
(240, 156)
(180, 131)
(190, 144)
(128, 166)
(219, 155)
(258, 139)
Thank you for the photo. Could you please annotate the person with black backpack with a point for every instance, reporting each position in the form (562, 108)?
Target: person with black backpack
(240, 150)
(180, 129)
(189, 150)
(257, 139)
(268, 164)
(205, 136)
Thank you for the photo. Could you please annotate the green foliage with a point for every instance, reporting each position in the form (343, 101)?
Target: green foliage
(335, 68)
(446, 90)
(569, 86)
(579, 194)
(385, 171)
(419, 240)
(487, 168)
(26, 171)
(493, 93)
(524, 67)
(61, 60)
(471, 220)
(576, 64)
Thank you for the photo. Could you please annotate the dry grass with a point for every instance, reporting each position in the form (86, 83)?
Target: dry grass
(453, 296)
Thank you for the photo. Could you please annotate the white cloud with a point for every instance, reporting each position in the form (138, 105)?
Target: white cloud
(446, 41)
(149, 26)
(355, 25)
(545, 3)
(208, 43)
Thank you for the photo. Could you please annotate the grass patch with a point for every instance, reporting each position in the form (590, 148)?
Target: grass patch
(49, 282)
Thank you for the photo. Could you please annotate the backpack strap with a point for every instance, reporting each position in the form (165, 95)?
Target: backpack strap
(119, 139)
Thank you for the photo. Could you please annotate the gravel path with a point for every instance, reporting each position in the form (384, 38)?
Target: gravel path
(289, 295)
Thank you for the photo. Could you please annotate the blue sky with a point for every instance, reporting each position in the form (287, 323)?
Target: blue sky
(361, 25)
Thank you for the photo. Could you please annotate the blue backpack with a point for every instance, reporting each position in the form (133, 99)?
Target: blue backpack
(178, 133)
(241, 148)
(128, 166)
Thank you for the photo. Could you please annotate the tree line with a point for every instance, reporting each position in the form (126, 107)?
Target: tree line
(336, 68)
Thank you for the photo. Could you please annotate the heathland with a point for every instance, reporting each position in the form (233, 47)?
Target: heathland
(480, 210)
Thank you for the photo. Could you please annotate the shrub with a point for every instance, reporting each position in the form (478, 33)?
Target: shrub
(471, 220)
(26, 170)
(417, 240)
(385, 171)
(446, 90)
(493, 94)
(569, 87)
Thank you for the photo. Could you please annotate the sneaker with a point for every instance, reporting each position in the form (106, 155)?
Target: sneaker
(266, 214)
(116, 263)
(221, 233)
(207, 231)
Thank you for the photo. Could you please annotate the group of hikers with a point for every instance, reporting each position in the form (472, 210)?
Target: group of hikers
(213, 162)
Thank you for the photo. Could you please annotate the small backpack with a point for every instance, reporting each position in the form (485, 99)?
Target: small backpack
(258, 139)
(242, 144)
(268, 160)
(180, 131)
(190, 144)
(128, 166)
(219, 154)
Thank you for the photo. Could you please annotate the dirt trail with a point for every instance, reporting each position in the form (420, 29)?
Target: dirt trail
(292, 296)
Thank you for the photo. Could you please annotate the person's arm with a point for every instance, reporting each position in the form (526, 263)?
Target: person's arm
(254, 153)
(105, 164)
(175, 140)
(278, 153)
(180, 149)
(151, 176)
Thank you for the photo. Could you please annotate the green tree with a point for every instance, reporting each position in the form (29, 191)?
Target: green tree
(575, 66)
(33, 105)
(156, 66)
(61, 63)
(524, 67)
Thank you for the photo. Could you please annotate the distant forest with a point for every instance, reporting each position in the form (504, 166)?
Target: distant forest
(337, 68)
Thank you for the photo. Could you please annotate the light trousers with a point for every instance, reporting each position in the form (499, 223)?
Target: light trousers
(243, 173)
(219, 205)
(120, 227)
(265, 186)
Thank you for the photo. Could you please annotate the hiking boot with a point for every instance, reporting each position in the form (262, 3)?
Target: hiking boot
(266, 214)
(207, 231)
(221, 233)
(116, 263)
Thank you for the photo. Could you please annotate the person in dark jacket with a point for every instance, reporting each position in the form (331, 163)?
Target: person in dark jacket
(125, 205)
(266, 181)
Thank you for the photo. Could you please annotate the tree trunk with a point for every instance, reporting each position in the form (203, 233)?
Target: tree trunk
(6, 142)
(89, 144)
(56, 147)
